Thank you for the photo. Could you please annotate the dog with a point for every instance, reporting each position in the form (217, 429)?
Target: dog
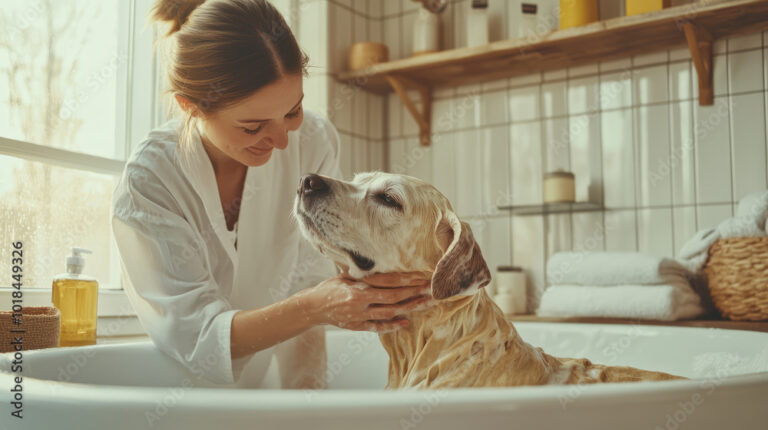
(386, 223)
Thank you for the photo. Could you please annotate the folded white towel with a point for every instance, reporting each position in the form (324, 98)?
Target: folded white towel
(754, 206)
(750, 221)
(613, 268)
(651, 302)
(739, 227)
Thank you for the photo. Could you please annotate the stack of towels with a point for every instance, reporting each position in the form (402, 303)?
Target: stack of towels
(750, 221)
(618, 285)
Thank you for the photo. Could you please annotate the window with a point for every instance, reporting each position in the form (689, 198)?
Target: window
(77, 90)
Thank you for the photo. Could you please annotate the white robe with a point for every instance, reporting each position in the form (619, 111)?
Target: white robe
(181, 270)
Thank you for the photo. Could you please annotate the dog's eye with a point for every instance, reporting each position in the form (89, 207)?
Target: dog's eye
(388, 200)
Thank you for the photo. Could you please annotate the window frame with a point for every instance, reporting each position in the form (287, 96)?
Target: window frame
(138, 111)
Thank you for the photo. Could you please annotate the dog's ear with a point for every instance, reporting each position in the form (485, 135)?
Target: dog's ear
(462, 266)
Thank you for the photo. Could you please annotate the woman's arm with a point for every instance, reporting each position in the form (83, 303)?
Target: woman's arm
(338, 301)
(254, 330)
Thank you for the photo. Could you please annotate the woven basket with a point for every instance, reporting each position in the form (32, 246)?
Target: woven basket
(41, 326)
(737, 271)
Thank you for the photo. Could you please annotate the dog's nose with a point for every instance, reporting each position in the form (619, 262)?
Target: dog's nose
(313, 184)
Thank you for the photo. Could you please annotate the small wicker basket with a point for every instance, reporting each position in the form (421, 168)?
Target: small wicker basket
(41, 325)
(737, 271)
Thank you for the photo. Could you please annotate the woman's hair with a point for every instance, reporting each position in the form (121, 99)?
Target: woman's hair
(224, 50)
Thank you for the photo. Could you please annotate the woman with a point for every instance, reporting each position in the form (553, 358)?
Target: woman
(213, 263)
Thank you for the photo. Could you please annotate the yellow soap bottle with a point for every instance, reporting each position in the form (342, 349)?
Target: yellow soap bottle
(574, 13)
(76, 296)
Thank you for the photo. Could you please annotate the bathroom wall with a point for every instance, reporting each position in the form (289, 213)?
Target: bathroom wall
(631, 130)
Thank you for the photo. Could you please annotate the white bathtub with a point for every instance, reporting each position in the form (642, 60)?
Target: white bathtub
(133, 386)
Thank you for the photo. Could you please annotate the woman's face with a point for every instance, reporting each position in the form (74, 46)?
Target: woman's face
(248, 131)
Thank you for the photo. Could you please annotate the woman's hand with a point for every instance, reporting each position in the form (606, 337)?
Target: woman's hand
(379, 304)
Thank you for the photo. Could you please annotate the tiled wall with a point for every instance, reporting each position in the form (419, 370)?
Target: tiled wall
(631, 130)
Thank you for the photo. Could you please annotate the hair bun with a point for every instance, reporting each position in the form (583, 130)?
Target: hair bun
(175, 12)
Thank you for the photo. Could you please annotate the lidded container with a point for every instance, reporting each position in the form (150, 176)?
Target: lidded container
(76, 297)
(559, 187)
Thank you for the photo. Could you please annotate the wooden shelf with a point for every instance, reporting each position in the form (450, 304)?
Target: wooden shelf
(697, 24)
(761, 326)
(554, 208)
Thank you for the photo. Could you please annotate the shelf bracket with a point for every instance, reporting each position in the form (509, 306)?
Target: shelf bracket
(423, 118)
(700, 45)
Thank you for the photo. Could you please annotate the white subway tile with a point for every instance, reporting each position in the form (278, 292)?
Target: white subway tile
(709, 216)
(682, 161)
(376, 105)
(360, 112)
(526, 163)
(341, 105)
(619, 64)
(466, 109)
(444, 164)
(652, 155)
(376, 155)
(359, 155)
(392, 35)
(468, 174)
(618, 158)
(748, 144)
(498, 248)
(713, 154)
(498, 84)
(654, 232)
(528, 253)
(524, 103)
(586, 157)
(375, 8)
(680, 81)
(341, 37)
(493, 108)
(360, 29)
(650, 58)
(397, 156)
(680, 53)
(494, 168)
(747, 41)
(408, 6)
(345, 157)
(554, 99)
(620, 230)
(583, 95)
(375, 31)
(444, 118)
(585, 70)
(519, 81)
(720, 46)
(395, 115)
(556, 138)
(559, 233)
(684, 226)
(588, 232)
(406, 41)
(745, 71)
(554, 75)
(616, 90)
(314, 22)
(410, 126)
(418, 159)
(650, 84)
(391, 7)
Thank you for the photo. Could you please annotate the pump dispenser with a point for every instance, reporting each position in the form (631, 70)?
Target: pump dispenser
(76, 297)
